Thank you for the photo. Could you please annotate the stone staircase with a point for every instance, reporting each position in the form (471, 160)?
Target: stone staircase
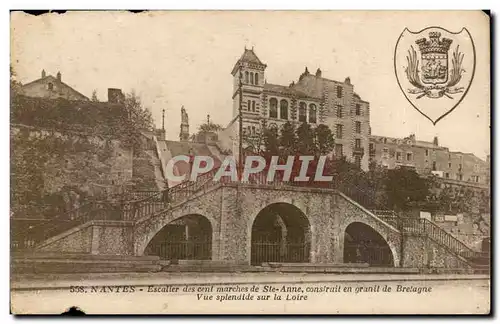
(420, 226)
(46, 262)
(146, 204)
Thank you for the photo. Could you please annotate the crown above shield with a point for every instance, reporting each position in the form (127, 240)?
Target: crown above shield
(434, 44)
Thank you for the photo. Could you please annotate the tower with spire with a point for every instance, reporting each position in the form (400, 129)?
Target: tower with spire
(249, 72)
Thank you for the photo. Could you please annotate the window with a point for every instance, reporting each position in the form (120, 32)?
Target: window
(253, 130)
(460, 167)
(256, 78)
(339, 92)
(340, 112)
(339, 150)
(312, 113)
(339, 130)
(434, 166)
(460, 177)
(253, 105)
(385, 153)
(408, 156)
(398, 156)
(249, 103)
(302, 112)
(372, 147)
(357, 143)
(385, 140)
(273, 108)
(358, 127)
(251, 78)
(51, 86)
(283, 109)
(358, 109)
(447, 175)
(357, 160)
(449, 165)
(246, 76)
(426, 152)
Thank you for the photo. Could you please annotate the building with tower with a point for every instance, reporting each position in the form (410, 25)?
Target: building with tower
(313, 99)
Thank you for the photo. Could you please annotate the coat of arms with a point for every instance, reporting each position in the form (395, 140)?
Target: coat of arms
(434, 68)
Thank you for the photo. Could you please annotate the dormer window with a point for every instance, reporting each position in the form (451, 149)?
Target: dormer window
(51, 86)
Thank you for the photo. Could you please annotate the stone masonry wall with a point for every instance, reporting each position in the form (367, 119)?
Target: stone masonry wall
(421, 252)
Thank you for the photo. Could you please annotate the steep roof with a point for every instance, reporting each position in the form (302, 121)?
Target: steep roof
(51, 78)
(248, 56)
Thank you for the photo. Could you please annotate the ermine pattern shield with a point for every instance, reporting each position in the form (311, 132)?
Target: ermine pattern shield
(435, 68)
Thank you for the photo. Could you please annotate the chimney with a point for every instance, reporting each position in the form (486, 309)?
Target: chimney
(347, 80)
(115, 95)
(318, 73)
(436, 143)
(59, 76)
(43, 74)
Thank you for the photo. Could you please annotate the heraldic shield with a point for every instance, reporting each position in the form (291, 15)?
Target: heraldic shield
(435, 69)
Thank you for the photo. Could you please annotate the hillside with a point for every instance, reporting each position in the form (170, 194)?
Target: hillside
(64, 153)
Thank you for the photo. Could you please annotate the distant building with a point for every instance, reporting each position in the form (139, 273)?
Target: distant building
(51, 87)
(313, 99)
(428, 158)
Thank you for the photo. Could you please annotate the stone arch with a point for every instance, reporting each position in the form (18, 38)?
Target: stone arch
(279, 232)
(185, 238)
(147, 230)
(372, 233)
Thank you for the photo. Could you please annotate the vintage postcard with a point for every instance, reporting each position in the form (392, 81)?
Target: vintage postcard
(250, 162)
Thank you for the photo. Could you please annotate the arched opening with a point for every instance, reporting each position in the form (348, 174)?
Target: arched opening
(273, 108)
(186, 238)
(362, 244)
(283, 109)
(256, 78)
(312, 113)
(280, 233)
(302, 112)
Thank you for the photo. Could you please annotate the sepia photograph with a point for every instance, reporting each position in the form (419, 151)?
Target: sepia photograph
(250, 162)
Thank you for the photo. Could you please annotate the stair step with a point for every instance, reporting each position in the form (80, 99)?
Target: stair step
(83, 256)
(78, 267)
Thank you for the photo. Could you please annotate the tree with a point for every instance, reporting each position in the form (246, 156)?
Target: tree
(94, 96)
(287, 139)
(404, 188)
(325, 143)
(140, 117)
(15, 86)
(209, 127)
(305, 139)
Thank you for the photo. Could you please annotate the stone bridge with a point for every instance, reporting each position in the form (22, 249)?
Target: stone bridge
(320, 219)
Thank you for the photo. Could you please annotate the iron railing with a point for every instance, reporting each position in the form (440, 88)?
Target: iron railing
(374, 255)
(183, 250)
(277, 252)
(32, 235)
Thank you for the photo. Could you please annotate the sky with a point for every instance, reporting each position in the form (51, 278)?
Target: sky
(180, 58)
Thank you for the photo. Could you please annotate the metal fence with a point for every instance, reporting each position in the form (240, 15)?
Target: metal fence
(278, 252)
(374, 255)
(183, 250)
